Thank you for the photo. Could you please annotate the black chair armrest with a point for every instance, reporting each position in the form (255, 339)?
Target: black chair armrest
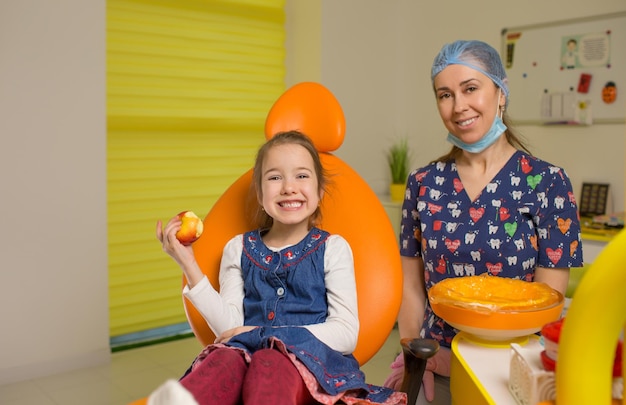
(415, 352)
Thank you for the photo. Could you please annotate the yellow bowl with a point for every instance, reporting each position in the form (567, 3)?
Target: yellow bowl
(494, 323)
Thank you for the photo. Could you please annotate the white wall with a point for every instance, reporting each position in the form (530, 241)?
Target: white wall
(376, 57)
(53, 248)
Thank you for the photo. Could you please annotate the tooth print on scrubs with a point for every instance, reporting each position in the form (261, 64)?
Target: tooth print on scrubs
(487, 206)
(497, 233)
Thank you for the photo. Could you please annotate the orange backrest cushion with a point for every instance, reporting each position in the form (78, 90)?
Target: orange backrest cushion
(350, 208)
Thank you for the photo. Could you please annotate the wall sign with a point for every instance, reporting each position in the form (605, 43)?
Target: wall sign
(593, 199)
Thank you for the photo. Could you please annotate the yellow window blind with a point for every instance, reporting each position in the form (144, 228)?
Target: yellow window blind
(189, 84)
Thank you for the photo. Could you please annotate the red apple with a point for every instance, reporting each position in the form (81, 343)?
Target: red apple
(191, 228)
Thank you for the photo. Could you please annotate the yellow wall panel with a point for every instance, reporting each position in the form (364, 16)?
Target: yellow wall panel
(189, 84)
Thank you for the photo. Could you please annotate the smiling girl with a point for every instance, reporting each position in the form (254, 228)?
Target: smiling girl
(285, 315)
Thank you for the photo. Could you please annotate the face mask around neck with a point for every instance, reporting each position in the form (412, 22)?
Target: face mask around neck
(496, 130)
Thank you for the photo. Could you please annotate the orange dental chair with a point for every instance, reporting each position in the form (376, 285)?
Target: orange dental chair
(349, 208)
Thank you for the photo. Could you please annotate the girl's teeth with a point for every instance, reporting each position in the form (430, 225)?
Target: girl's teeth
(467, 122)
(291, 204)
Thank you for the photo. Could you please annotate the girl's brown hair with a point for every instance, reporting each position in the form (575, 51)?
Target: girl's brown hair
(261, 219)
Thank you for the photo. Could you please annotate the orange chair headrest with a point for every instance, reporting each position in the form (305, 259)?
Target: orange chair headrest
(312, 109)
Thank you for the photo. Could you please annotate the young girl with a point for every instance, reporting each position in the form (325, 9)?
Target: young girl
(286, 314)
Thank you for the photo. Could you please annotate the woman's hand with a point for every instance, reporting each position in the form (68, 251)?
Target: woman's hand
(226, 335)
(438, 364)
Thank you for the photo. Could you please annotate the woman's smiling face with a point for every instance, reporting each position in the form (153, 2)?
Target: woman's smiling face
(467, 101)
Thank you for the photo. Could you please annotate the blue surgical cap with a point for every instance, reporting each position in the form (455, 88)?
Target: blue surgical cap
(473, 54)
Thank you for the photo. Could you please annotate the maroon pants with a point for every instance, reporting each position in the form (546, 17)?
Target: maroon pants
(224, 378)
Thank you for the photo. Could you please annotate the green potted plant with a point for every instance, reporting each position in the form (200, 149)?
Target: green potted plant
(398, 160)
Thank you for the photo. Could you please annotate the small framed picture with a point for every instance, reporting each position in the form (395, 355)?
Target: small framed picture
(593, 199)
